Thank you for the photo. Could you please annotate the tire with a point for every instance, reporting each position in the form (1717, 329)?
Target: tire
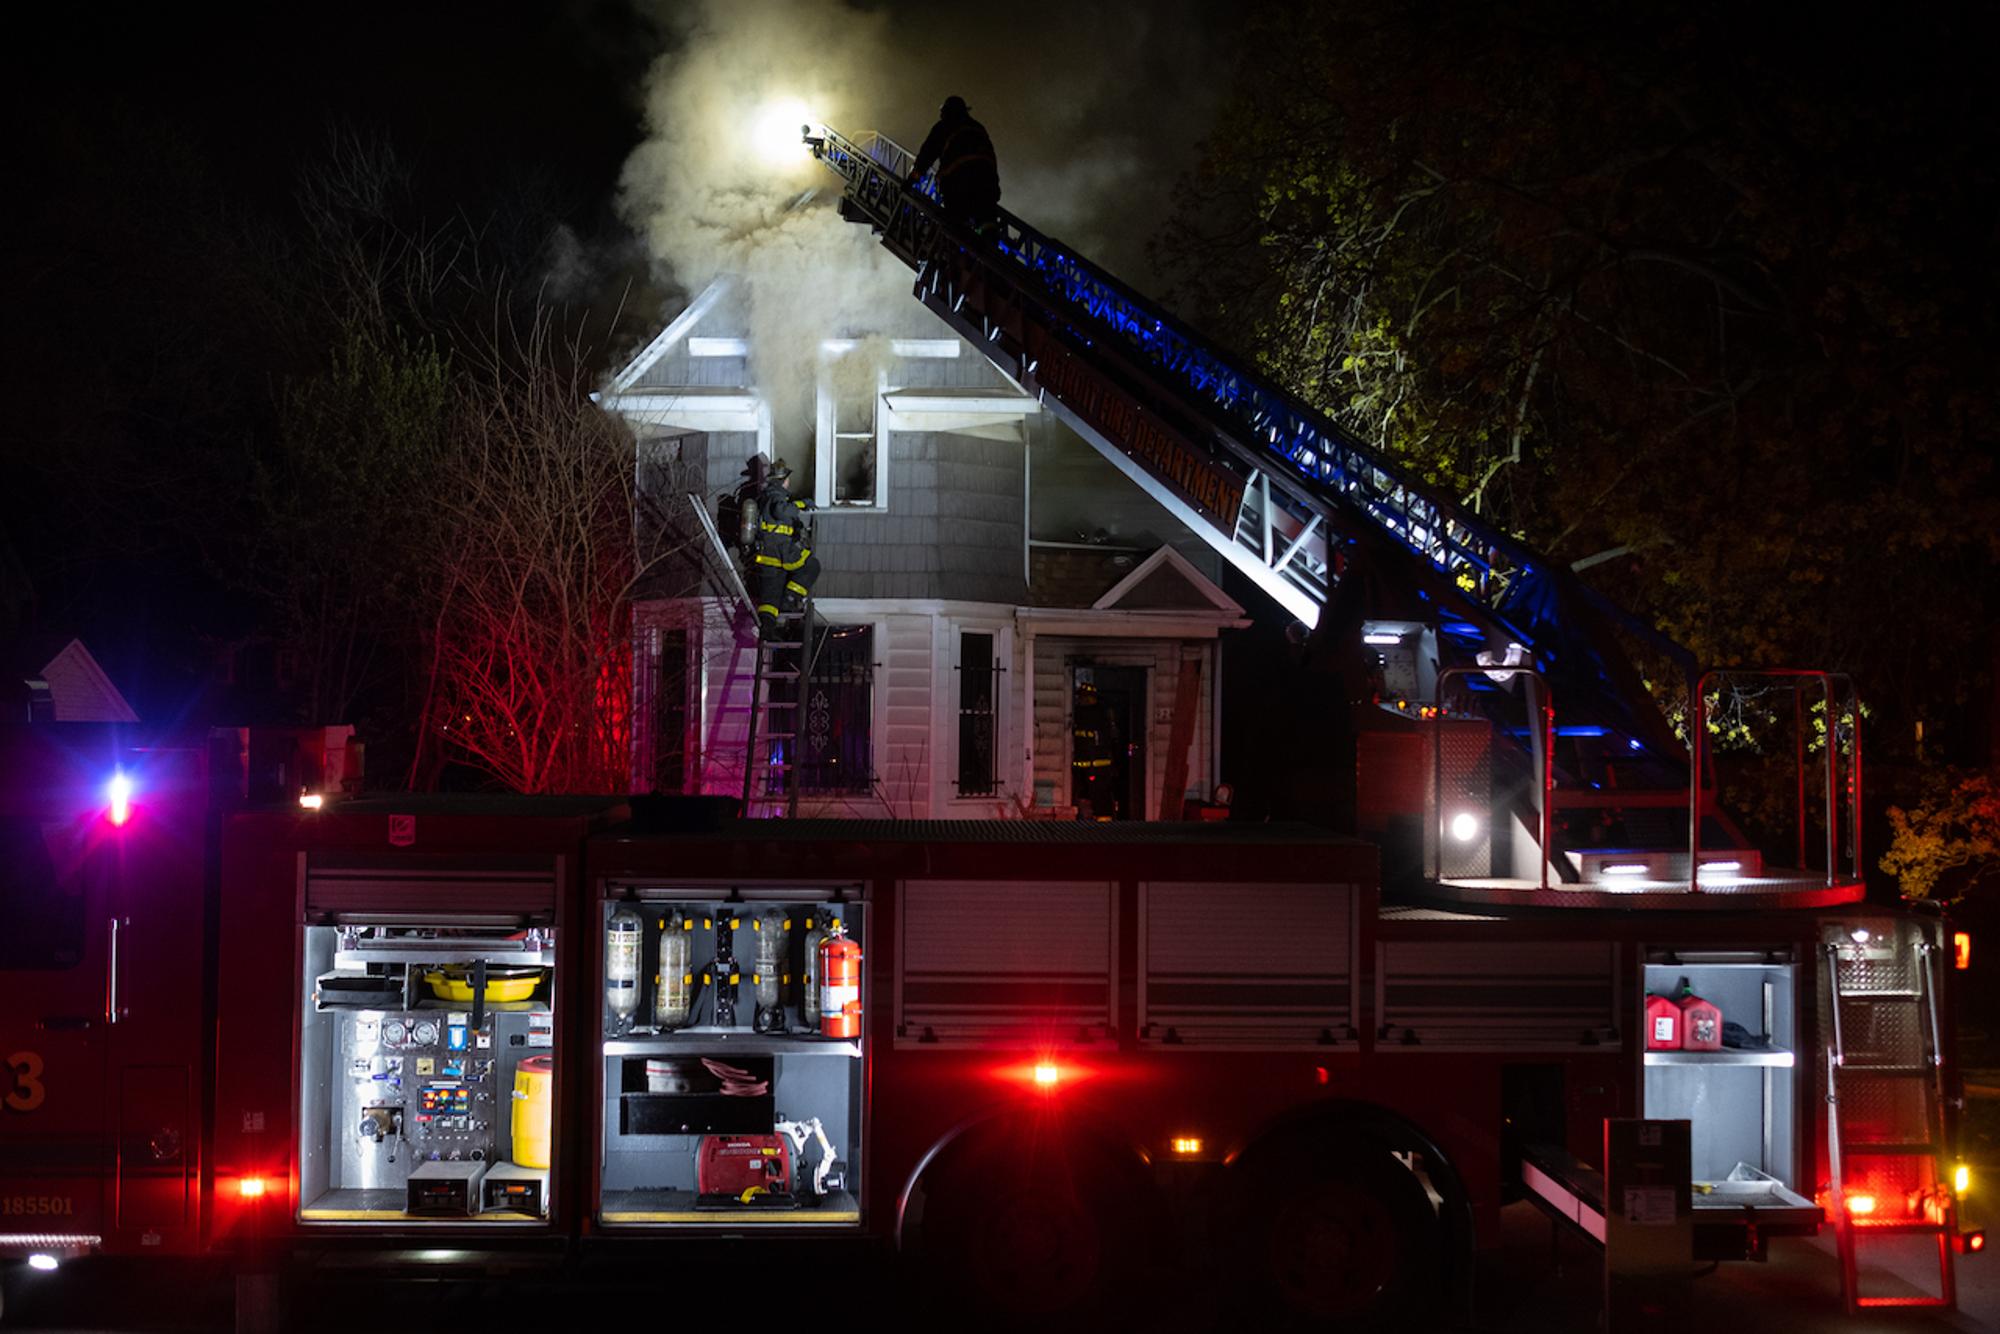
(1347, 1243)
(1053, 1240)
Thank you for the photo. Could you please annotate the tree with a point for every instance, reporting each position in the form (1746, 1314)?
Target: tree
(1661, 289)
(539, 537)
(1947, 843)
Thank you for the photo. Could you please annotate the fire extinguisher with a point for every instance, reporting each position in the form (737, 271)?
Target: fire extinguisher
(839, 985)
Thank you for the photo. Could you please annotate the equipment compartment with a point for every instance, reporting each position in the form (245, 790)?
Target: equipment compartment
(426, 1062)
(1733, 1076)
(732, 1043)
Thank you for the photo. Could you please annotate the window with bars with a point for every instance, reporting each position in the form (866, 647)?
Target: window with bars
(836, 744)
(978, 715)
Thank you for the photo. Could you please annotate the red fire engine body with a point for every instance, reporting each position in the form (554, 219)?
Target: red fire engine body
(1117, 1050)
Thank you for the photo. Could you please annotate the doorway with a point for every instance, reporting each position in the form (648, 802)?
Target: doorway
(1108, 742)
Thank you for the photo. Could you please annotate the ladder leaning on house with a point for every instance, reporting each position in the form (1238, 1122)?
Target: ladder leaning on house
(1885, 1100)
(784, 664)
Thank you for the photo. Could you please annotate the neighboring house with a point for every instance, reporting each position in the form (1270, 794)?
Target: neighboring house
(71, 688)
(972, 670)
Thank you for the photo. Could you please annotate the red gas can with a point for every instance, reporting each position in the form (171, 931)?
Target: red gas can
(1663, 1024)
(1701, 1024)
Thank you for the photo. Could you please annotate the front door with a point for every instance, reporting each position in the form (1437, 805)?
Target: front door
(1108, 742)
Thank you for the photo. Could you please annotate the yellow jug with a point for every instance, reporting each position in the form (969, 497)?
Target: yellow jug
(534, 1094)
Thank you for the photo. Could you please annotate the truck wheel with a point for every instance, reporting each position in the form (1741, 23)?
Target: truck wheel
(1348, 1243)
(1048, 1240)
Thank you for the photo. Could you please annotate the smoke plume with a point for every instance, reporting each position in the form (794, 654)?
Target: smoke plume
(1092, 115)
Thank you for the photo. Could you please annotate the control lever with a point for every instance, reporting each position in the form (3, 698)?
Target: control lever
(382, 1123)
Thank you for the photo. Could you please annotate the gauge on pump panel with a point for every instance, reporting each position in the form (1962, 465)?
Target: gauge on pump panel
(426, 1033)
(393, 1033)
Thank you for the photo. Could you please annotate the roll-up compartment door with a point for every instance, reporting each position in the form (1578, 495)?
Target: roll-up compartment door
(1496, 996)
(516, 890)
(991, 961)
(1246, 965)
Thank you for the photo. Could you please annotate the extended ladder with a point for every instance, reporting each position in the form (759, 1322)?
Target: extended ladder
(1272, 485)
(1885, 1096)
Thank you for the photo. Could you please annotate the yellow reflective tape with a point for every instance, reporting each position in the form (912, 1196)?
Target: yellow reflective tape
(768, 608)
(687, 979)
(769, 560)
(734, 978)
(792, 585)
(735, 922)
(782, 528)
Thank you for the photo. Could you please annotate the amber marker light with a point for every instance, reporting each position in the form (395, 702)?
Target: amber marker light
(1961, 950)
(1187, 1144)
(1961, 1179)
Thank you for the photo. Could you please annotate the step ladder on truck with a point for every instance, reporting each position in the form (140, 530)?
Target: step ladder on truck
(1892, 1173)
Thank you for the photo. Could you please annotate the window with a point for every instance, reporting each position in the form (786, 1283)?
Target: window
(851, 445)
(670, 712)
(978, 714)
(837, 745)
(44, 874)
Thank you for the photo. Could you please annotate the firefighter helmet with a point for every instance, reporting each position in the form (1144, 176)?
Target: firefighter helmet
(953, 106)
(778, 471)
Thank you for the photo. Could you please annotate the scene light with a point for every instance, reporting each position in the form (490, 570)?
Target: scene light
(311, 801)
(1961, 950)
(1860, 935)
(42, 1260)
(118, 793)
(1185, 1144)
(1860, 1205)
(777, 132)
(1465, 827)
(1725, 867)
(1626, 868)
(252, 1188)
(1381, 637)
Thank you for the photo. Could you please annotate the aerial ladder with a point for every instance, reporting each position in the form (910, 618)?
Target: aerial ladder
(1290, 499)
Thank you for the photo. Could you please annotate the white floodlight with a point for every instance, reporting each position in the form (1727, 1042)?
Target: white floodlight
(42, 1260)
(1465, 826)
(776, 132)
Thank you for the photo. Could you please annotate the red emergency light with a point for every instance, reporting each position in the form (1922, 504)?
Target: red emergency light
(1975, 1241)
(252, 1188)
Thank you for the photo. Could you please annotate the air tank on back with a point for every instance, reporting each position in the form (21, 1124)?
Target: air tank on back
(622, 936)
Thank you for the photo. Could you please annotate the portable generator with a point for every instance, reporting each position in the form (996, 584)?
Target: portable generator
(744, 1169)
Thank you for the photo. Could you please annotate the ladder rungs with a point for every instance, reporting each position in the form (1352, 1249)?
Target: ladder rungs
(1905, 1070)
(1879, 995)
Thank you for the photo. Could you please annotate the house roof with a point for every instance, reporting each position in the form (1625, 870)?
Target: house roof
(1122, 579)
(77, 688)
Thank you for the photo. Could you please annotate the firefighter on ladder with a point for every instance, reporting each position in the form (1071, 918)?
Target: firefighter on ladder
(782, 566)
(968, 174)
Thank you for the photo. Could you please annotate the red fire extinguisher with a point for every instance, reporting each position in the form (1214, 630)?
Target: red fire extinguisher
(839, 985)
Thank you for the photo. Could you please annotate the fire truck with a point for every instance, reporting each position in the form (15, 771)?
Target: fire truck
(1057, 1066)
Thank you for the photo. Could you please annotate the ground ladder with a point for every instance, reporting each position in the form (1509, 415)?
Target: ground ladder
(1885, 1095)
(783, 666)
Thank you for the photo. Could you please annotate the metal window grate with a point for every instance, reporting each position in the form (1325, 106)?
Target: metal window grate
(978, 715)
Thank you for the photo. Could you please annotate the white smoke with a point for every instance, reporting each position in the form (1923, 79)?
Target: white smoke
(1092, 115)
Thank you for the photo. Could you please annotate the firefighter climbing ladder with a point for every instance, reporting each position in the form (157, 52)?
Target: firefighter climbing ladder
(777, 685)
(1885, 1103)
(1273, 486)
